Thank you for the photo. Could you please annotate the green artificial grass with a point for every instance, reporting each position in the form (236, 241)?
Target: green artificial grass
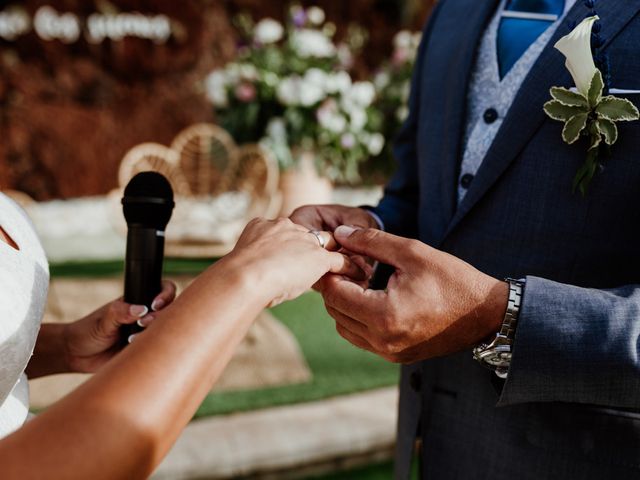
(338, 368)
(108, 268)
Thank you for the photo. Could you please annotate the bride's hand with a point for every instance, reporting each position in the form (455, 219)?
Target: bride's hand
(286, 259)
(93, 340)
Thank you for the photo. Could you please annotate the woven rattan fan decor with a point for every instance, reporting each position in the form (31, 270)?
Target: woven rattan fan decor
(204, 162)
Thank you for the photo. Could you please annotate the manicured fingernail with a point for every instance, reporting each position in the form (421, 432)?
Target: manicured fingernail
(344, 231)
(138, 310)
(132, 338)
(145, 321)
(157, 304)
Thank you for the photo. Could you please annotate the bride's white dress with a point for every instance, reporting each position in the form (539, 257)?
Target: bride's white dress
(24, 280)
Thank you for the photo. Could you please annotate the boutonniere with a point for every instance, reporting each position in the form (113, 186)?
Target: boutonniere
(586, 111)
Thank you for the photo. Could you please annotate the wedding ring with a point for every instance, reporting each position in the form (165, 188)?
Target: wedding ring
(319, 237)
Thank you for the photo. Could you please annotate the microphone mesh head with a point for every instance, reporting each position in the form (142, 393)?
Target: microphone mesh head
(148, 201)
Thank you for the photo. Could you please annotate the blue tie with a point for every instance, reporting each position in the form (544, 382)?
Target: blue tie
(516, 34)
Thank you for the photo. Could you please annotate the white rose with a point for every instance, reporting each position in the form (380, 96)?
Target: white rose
(402, 113)
(216, 88)
(382, 80)
(277, 129)
(233, 72)
(248, 71)
(336, 123)
(358, 119)
(403, 39)
(316, 15)
(311, 94)
(339, 82)
(362, 93)
(345, 57)
(312, 43)
(375, 144)
(270, 79)
(288, 91)
(329, 118)
(268, 31)
(316, 77)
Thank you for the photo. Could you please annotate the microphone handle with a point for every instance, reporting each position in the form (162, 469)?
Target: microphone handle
(143, 271)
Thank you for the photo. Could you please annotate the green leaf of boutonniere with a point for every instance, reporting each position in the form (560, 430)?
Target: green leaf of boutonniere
(595, 137)
(609, 130)
(591, 116)
(617, 109)
(569, 98)
(574, 127)
(595, 89)
(562, 112)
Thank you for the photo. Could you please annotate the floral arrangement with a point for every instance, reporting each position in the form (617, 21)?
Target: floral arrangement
(290, 89)
(393, 80)
(393, 85)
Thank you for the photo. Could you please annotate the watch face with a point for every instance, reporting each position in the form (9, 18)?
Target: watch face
(496, 358)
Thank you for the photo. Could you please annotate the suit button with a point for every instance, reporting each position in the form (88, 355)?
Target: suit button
(415, 382)
(465, 181)
(490, 115)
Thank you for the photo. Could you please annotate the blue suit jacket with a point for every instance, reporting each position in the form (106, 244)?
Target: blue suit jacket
(568, 408)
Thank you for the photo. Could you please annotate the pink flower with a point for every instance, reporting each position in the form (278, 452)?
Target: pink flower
(246, 92)
(400, 56)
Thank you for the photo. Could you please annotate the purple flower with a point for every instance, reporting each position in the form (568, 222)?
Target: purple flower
(348, 141)
(299, 17)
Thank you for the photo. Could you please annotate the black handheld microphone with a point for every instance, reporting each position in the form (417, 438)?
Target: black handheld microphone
(147, 205)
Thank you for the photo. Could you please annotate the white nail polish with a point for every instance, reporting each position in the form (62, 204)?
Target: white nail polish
(132, 338)
(139, 323)
(157, 304)
(138, 310)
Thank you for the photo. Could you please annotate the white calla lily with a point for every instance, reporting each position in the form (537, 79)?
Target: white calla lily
(576, 47)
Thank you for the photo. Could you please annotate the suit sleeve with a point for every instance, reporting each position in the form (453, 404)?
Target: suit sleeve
(398, 209)
(577, 345)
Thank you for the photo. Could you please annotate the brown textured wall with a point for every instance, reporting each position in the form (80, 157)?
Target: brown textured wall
(68, 113)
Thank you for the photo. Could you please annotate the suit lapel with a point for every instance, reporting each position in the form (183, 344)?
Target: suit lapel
(454, 43)
(526, 115)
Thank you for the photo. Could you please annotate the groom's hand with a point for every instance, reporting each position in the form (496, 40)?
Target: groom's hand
(329, 217)
(435, 304)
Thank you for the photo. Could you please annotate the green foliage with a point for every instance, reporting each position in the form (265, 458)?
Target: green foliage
(617, 109)
(592, 116)
(574, 127)
(595, 90)
(562, 112)
(569, 98)
(609, 130)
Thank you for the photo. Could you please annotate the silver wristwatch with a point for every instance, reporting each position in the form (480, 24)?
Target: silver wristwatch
(496, 355)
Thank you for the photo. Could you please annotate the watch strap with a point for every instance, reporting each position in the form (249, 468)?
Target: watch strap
(496, 355)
